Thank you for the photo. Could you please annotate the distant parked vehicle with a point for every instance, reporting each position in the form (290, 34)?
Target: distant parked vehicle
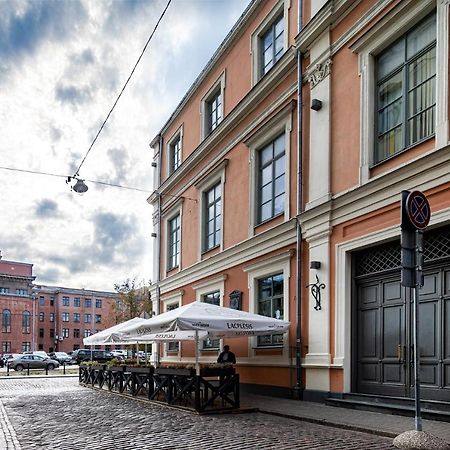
(120, 354)
(37, 352)
(33, 362)
(85, 354)
(61, 357)
(9, 357)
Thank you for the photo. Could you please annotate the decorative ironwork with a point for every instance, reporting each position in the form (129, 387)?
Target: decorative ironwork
(315, 292)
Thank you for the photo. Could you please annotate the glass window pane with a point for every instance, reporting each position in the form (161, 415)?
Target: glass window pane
(390, 90)
(266, 193)
(277, 284)
(266, 175)
(389, 143)
(266, 211)
(421, 36)
(421, 126)
(279, 145)
(279, 166)
(422, 97)
(279, 204)
(390, 116)
(391, 58)
(422, 69)
(279, 186)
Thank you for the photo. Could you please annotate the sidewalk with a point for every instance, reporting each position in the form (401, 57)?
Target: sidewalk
(351, 419)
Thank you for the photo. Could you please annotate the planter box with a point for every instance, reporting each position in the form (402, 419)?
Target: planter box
(174, 371)
(116, 368)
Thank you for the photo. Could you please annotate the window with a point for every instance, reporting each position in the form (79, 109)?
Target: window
(52, 317)
(270, 303)
(76, 317)
(87, 318)
(271, 179)
(40, 346)
(42, 300)
(65, 332)
(406, 91)
(26, 322)
(76, 347)
(4, 290)
(41, 332)
(52, 332)
(6, 347)
(98, 318)
(77, 302)
(212, 217)
(174, 233)
(26, 346)
(6, 321)
(87, 303)
(172, 346)
(52, 301)
(66, 301)
(98, 303)
(76, 332)
(214, 299)
(86, 333)
(65, 316)
(213, 111)
(22, 292)
(272, 45)
(41, 317)
(174, 153)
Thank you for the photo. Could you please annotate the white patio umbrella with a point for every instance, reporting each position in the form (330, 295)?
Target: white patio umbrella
(110, 335)
(201, 317)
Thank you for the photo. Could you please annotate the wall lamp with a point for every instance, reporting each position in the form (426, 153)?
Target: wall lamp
(314, 265)
(153, 235)
(154, 164)
(316, 104)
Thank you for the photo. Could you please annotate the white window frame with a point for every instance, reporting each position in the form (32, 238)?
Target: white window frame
(177, 135)
(175, 298)
(282, 7)
(402, 19)
(215, 177)
(276, 264)
(207, 287)
(275, 127)
(218, 85)
(168, 216)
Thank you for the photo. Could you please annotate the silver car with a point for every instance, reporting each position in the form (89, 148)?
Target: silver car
(33, 362)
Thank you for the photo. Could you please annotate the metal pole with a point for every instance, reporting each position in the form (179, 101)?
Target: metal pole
(419, 250)
(197, 365)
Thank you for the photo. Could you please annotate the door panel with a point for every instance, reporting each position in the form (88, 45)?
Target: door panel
(384, 340)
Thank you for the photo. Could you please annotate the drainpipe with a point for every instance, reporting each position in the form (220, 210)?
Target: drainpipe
(299, 388)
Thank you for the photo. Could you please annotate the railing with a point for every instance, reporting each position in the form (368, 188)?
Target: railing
(215, 388)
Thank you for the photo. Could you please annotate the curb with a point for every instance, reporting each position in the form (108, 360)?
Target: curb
(327, 423)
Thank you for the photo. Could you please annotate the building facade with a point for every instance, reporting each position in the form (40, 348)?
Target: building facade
(267, 193)
(49, 318)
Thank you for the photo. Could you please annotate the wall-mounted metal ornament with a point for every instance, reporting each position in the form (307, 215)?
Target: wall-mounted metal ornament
(315, 292)
(236, 300)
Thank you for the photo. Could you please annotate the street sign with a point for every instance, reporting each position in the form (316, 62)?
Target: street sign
(418, 210)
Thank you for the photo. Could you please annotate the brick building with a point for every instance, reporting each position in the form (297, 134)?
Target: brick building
(49, 318)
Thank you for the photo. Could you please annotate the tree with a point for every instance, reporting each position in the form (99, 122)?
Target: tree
(134, 300)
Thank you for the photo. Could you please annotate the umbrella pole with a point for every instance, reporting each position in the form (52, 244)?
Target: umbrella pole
(137, 352)
(197, 365)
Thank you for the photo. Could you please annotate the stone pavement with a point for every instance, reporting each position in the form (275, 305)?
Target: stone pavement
(58, 414)
(350, 419)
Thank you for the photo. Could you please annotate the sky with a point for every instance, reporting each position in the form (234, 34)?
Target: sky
(62, 66)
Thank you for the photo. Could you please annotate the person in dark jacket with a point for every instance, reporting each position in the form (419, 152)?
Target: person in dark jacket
(226, 356)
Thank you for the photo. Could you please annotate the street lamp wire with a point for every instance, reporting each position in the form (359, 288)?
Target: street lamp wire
(104, 183)
(76, 174)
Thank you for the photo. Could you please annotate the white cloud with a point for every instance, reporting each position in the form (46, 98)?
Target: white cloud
(57, 84)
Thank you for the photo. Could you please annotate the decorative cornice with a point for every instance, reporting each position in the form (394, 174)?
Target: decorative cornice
(319, 73)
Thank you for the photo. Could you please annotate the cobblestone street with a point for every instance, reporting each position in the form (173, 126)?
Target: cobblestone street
(58, 414)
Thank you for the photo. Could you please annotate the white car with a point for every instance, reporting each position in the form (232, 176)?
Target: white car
(119, 354)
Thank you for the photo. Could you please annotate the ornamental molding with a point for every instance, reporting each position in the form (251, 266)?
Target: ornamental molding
(319, 73)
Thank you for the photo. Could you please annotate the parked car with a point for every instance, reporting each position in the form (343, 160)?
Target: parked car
(9, 356)
(85, 354)
(33, 362)
(37, 352)
(61, 357)
(119, 354)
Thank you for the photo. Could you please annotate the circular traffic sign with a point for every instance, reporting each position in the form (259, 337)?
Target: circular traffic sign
(418, 209)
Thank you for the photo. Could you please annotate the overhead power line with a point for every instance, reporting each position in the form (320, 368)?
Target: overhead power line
(49, 174)
(76, 174)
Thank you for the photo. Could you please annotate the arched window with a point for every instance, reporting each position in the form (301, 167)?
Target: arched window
(6, 321)
(26, 321)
